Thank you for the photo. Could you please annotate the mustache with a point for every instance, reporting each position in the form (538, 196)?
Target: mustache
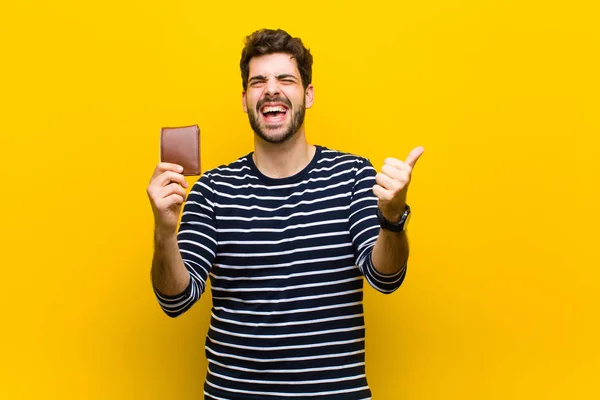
(273, 100)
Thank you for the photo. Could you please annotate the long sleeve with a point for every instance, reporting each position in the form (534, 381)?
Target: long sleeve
(364, 228)
(197, 240)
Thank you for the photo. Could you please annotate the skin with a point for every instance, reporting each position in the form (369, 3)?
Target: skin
(280, 150)
(391, 248)
(277, 151)
(166, 192)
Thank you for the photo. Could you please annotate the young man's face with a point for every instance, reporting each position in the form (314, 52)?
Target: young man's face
(275, 99)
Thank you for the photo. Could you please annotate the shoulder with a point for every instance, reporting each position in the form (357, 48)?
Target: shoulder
(234, 168)
(333, 157)
(224, 172)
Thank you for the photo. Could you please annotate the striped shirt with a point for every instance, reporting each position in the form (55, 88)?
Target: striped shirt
(286, 259)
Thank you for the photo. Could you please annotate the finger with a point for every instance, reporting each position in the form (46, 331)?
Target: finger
(398, 165)
(381, 193)
(172, 188)
(401, 175)
(163, 167)
(386, 182)
(163, 203)
(414, 155)
(169, 176)
(174, 199)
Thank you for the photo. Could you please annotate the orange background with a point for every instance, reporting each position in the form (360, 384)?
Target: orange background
(500, 300)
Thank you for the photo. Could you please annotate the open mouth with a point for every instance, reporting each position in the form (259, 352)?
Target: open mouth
(274, 113)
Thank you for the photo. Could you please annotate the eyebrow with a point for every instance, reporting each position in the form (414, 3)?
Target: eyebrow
(280, 76)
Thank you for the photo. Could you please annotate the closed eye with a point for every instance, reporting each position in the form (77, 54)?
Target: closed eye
(257, 82)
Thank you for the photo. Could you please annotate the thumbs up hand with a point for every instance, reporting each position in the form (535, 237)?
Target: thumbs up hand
(392, 184)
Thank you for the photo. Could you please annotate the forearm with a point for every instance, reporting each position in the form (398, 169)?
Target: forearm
(169, 275)
(390, 252)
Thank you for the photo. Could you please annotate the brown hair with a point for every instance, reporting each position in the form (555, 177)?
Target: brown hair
(269, 41)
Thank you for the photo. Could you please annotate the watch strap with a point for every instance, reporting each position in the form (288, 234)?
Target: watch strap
(391, 226)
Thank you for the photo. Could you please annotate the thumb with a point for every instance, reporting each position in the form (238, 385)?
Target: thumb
(414, 155)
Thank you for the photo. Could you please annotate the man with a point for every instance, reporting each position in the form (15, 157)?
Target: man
(287, 235)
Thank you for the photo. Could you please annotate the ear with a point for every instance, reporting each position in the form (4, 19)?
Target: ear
(309, 96)
(244, 104)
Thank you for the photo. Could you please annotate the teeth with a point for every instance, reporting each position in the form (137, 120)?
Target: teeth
(273, 109)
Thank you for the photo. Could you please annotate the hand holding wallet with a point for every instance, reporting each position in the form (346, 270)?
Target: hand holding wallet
(181, 146)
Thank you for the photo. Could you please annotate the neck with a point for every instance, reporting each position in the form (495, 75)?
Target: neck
(282, 160)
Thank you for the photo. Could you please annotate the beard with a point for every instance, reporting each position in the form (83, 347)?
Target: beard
(287, 131)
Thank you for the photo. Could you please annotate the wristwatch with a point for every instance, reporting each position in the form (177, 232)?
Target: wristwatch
(391, 226)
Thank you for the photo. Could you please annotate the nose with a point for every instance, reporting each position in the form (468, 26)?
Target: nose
(272, 88)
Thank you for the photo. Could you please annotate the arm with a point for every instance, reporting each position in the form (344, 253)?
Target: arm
(370, 244)
(171, 281)
(182, 259)
(381, 255)
(169, 275)
(390, 253)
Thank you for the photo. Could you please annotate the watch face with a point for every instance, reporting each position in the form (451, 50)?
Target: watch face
(407, 220)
